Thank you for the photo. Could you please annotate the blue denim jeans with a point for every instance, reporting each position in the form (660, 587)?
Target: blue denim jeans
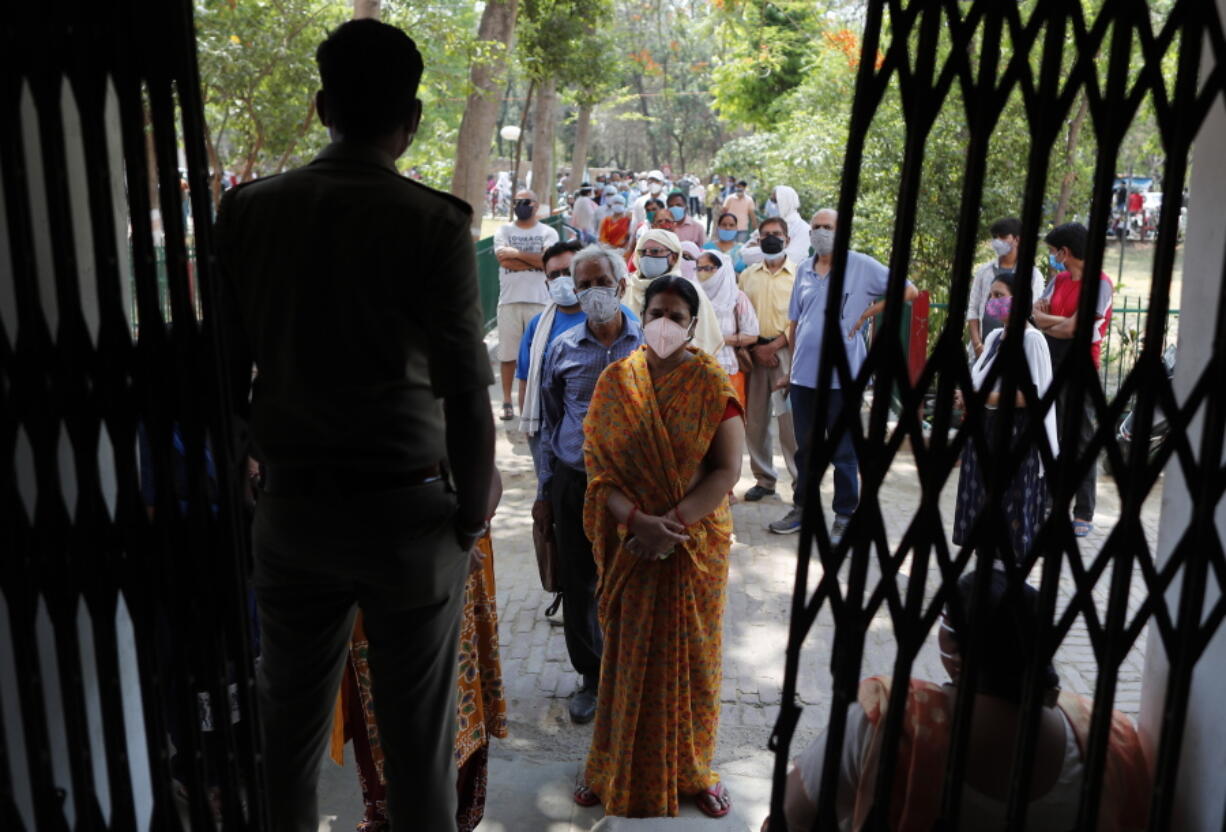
(846, 477)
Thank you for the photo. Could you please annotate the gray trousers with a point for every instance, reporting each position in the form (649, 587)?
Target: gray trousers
(758, 416)
(317, 560)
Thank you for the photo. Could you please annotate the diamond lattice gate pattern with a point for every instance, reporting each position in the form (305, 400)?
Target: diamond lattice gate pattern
(123, 617)
(1024, 73)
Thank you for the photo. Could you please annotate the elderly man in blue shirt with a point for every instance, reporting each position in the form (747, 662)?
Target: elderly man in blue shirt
(864, 281)
(573, 363)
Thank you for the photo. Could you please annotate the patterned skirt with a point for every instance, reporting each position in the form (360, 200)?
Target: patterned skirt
(1023, 504)
(481, 710)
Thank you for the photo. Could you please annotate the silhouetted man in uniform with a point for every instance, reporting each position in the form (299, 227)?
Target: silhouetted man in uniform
(354, 291)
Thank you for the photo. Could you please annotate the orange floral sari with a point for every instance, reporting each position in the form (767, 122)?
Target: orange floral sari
(615, 231)
(658, 708)
(915, 802)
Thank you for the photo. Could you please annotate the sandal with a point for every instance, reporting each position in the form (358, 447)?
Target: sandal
(585, 797)
(1082, 528)
(508, 412)
(714, 802)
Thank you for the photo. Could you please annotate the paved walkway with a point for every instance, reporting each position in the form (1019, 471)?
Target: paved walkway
(533, 769)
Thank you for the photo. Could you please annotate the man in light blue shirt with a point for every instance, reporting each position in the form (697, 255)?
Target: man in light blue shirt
(864, 281)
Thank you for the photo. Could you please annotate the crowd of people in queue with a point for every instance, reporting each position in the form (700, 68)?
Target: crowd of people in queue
(647, 360)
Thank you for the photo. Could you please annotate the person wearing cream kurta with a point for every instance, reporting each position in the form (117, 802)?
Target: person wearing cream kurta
(707, 334)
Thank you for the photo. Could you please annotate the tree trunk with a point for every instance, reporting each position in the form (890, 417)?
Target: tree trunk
(1070, 152)
(302, 130)
(365, 8)
(578, 158)
(651, 139)
(519, 147)
(542, 144)
(481, 111)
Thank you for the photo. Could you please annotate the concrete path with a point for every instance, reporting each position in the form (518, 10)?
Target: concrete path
(533, 770)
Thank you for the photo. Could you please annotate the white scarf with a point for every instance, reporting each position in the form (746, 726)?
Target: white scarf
(530, 413)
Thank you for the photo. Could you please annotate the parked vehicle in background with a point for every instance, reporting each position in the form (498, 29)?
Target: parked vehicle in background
(1161, 426)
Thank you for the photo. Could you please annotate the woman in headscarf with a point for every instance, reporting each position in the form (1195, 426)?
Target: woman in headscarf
(689, 259)
(797, 248)
(737, 319)
(662, 446)
(1022, 505)
(658, 253)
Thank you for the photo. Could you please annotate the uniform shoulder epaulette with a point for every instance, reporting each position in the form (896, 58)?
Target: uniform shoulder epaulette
(451, 198)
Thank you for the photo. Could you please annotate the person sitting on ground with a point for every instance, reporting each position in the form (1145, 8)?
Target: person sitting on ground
(662, 445)
(1024, 501)
(1007, 620)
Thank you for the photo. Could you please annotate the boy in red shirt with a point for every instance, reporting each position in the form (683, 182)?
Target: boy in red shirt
(1055, 313)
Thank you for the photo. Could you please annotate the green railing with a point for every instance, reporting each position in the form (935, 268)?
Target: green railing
(1121, 344)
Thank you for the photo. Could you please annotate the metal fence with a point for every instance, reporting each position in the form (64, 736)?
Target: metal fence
(1122, 344)
(887, 595)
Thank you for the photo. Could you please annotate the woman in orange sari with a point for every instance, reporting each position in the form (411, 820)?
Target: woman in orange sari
(662, 449)
(615, 228)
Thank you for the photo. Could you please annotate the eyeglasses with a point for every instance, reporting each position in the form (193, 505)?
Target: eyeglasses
(525, 202)
(825, 225)
(558, 273)
(706, 268)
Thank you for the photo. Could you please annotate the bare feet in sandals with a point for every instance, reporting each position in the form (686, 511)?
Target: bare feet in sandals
(585, 796)
(714, 802)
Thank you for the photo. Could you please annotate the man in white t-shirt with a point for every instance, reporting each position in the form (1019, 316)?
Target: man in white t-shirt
(522, 293)
(655, 187)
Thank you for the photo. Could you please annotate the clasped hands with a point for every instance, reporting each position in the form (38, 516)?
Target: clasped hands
(654, 537)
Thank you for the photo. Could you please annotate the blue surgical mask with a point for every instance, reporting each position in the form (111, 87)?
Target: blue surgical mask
(727, 234)
(677, 211)
(1056, 265)
(562, 290)
(652, 266)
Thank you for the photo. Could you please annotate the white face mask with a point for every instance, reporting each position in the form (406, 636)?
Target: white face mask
(1001, 247)
(822, 240)
(665, 336)
(655, 187)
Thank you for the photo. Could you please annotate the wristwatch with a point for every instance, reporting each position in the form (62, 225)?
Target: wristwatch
(477, 533)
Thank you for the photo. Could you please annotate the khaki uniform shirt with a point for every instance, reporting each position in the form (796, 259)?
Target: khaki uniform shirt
(354, 291)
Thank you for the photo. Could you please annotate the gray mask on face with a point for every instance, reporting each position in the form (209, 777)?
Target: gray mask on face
(822, 240)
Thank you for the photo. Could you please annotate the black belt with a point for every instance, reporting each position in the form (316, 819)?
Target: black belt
(292, 481)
